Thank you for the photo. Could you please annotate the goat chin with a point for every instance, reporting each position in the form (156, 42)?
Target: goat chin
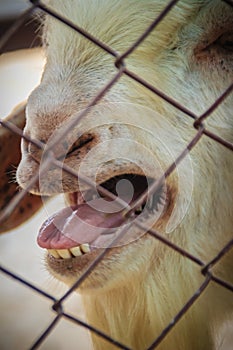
(141, 284)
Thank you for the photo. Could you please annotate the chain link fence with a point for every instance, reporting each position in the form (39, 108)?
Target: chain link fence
(202, 131)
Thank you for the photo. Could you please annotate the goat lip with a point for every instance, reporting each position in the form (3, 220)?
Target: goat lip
(93, 220)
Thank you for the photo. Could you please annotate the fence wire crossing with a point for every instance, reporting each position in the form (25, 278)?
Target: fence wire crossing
(206, 269)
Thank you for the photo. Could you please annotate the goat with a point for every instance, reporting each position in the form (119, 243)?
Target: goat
(134, 135)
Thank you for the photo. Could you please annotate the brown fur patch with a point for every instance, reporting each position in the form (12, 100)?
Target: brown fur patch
(9, 159)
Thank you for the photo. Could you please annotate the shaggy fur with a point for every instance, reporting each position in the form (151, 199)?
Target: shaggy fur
(138, 288)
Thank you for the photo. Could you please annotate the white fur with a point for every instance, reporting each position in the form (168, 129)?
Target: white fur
(138, 288)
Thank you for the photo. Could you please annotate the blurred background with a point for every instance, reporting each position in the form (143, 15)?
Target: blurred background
(27, 35)
(12, 8)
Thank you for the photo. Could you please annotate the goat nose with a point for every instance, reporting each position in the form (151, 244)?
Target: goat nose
(34, 151)
(37, 151)
(32, 148)
(63, 149)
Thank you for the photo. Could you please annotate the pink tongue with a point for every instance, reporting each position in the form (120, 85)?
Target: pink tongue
(84, 223)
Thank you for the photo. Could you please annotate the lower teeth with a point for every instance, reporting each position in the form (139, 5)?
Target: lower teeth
(69, 253)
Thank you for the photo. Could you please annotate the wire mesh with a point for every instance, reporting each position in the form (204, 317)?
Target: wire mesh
(206, 268)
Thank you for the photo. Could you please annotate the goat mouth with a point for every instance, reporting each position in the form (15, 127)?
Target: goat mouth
(92, 219)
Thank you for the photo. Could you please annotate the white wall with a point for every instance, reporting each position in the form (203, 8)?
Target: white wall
(12, 8)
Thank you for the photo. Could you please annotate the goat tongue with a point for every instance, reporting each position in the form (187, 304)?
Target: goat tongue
(83, 223)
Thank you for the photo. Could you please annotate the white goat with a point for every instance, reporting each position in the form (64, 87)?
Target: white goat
(141, 283)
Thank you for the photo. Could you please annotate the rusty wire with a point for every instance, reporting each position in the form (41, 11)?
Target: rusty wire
(202, 131)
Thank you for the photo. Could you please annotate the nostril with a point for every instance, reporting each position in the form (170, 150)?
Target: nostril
(82, 141)
(63, 150)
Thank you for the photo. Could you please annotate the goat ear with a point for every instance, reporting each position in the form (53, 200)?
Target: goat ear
(10, 155)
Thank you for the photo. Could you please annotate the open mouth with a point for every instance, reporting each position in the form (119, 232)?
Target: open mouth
(92, 218)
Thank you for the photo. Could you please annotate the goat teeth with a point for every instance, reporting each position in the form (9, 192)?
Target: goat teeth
(85, 248)
(68, 253)
(54, 253)
(76, 251)
(64, 253)
(138, 210)
(162, 200)
(150, 203)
